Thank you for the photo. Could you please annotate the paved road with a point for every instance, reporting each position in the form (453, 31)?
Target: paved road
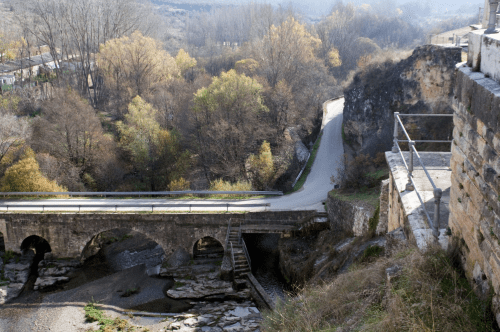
(310, 197)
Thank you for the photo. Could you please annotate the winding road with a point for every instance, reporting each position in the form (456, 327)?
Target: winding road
(310, 197)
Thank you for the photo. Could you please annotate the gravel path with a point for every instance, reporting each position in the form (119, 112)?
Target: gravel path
(63, 311)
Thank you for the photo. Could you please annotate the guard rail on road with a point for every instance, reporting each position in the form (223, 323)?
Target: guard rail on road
(143, 193)
(44, 207)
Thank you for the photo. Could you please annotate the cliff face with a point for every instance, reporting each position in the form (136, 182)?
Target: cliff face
(422, 83)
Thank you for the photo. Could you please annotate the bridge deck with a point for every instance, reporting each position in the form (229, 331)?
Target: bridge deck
(267, 228)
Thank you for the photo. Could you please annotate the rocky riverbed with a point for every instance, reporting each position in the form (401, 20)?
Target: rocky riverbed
(184, 295)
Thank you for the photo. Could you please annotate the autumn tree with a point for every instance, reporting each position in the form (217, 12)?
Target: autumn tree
(228, 118)
(155, 152)
(136, 64)
(13, 131)
(7, 49)
(285, 50)
(261, 167)
(25, 176)
(69, 129)
(184, 61)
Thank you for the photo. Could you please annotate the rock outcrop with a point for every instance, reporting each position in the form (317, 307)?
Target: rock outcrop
(422, 83)
(53, 272)
(14, 273)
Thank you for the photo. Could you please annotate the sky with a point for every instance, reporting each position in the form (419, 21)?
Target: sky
(322, 7)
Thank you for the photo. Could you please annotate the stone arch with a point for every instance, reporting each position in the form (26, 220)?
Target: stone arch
(36, 243)
(97, 242)
(208, 246)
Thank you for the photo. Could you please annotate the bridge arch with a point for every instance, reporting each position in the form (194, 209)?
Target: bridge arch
(208, 246)
(35, 243)
(120, 234)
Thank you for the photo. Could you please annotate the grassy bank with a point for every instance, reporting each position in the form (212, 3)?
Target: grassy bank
(308, 167)
(369, 195)
(429, 293)
(107, 324)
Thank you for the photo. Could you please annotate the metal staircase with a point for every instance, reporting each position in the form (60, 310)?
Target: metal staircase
(240, 259)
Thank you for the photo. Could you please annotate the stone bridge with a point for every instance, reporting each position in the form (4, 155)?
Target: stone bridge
(68, 234)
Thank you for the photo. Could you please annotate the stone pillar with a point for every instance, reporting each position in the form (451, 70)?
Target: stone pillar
(486, 15)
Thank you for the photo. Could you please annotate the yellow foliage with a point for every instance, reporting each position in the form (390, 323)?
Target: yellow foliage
(246, 66)
(262, 167)
(364, 61)
(25, 176)
(184, 61)
(138, 62)
(285, 49)
(221, 185)
(179, 185)
(334, 58)
(293, 36)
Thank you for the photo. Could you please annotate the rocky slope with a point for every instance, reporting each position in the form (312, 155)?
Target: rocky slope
(422, 83)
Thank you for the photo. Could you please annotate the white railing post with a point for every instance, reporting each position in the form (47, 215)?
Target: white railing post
(395, 146)
(438, 193)
(409, 185)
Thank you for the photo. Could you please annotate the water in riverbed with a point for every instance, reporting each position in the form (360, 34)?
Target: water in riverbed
(264, 254)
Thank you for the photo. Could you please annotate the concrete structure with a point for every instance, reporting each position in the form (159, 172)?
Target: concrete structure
(474, 184)
(68, 234)
(405, 209)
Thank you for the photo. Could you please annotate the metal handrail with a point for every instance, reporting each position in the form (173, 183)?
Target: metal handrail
(232, 256)
(116, 206)
(423, 167)
(228, 231)
(246, 254)
(410, 186)
(239, 234)
(141, 193)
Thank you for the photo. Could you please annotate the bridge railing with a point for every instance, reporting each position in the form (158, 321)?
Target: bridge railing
(52, 207)
(410, 186)
(143, 193)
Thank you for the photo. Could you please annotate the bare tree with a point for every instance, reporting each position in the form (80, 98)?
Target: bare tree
(13, 131)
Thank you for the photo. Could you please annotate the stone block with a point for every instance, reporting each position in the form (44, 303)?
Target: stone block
(474, 49)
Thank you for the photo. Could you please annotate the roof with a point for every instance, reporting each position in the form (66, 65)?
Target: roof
(35, 60)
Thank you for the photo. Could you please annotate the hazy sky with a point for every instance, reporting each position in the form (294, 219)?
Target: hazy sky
(320, 7)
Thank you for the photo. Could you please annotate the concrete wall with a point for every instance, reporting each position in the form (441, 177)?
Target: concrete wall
(474, 202)
(484, 53)
(68, 233)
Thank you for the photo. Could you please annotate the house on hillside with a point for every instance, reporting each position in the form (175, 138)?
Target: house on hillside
(26, 66)
(7, 79)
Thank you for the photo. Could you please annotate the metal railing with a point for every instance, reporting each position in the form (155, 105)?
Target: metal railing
(247, 255)
(47, 207)
(232, 256)
(143, 193)
(239, 234)
(410, 186)
(227, 234)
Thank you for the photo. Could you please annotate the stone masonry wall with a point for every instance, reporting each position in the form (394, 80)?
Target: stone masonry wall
(69, 233)
(474, 200)
(349, 218)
